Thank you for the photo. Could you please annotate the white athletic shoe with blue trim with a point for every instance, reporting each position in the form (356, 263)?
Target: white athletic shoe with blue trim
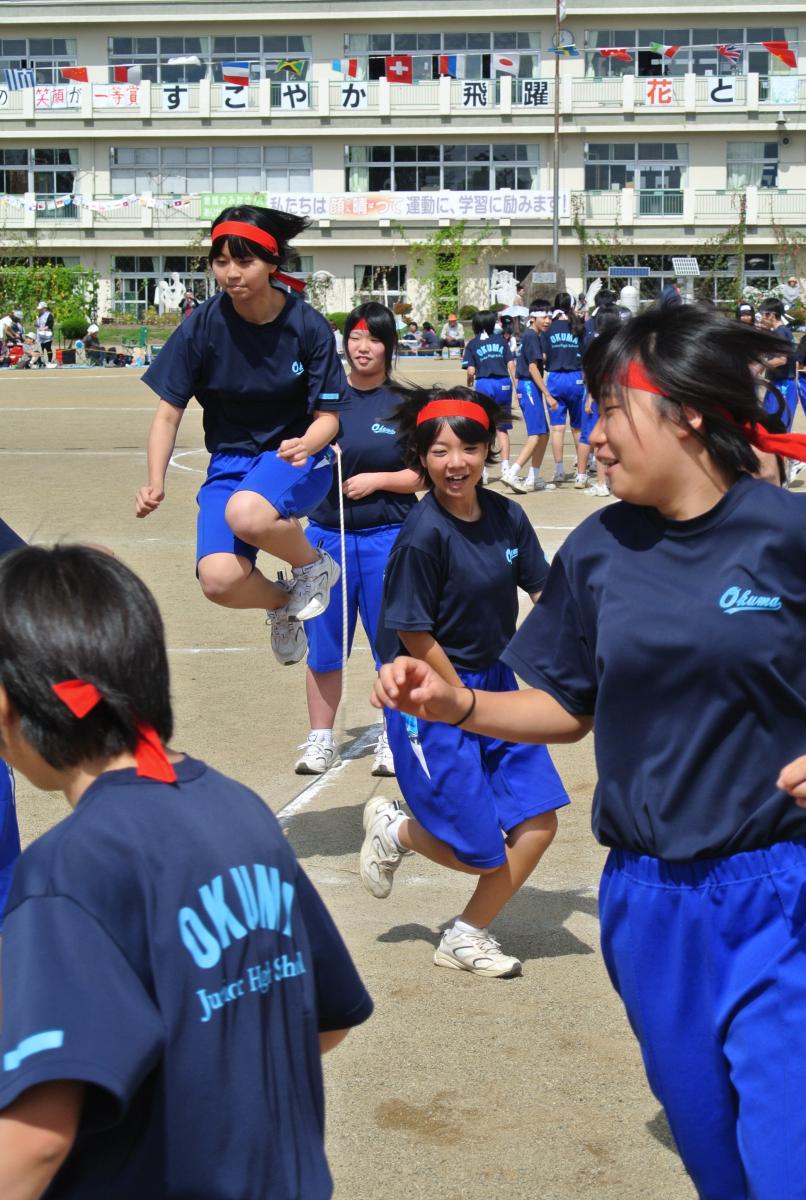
(380, 854)
(383, 764)
(288, 640)
(310, 587)
(476, 951)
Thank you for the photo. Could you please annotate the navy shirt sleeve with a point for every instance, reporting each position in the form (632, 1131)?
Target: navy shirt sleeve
(9, 540)
(533, 568)
(75, 1008)
(552, 650)
(175, 374)
(341, 998)
(468, 358)
(326, 381)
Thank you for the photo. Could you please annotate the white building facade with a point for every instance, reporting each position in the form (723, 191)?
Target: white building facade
(700, 152)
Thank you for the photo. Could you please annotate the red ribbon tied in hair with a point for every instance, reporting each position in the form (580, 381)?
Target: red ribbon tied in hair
(788, 445)
(253, 233)
(149, 753)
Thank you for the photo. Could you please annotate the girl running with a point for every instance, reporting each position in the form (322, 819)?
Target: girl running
(263, 365)
(378, 495)
(490, 366)
(532, 393)
(562, 343)
(675, 620)
(169, 974)
(482, 806)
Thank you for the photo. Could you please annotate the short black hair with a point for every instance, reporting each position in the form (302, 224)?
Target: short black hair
(774, 306)
(74, 612)
(483, 322)
(381, 325)
(416, 440)
(698, 359)
(282, 226)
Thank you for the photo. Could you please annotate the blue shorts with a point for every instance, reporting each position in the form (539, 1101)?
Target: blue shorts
(498, 389)
(568, 389)
(367, 552)
(293, 491)
(533, 407)
(787, 389)
(709, 958)
(801, 394)
(468, 790)
(9, 835)
(589, 419)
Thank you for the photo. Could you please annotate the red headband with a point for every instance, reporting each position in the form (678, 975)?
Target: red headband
(361, 326)
(149, 753)
(453, 407)
(788, 445)
(253, 233)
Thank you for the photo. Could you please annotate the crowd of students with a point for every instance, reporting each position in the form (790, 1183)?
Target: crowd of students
(164, 953)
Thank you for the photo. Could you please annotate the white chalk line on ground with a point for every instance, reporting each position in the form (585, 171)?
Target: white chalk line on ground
(184, 454)
(214, 649)
(93, 408)
(366, 739)
(76, 450)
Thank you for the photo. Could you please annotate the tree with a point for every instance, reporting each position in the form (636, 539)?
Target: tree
(441, 259)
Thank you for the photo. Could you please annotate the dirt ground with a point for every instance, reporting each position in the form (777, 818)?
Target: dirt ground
(458, 1086)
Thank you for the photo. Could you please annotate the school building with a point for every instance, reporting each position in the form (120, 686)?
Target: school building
(680, 133)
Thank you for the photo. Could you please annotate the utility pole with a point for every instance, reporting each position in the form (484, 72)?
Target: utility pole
(555, 224)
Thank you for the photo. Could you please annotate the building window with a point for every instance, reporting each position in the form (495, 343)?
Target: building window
(657, 170)
(44, 55)
(385, 284)
(47, 172)
(752, 164)
(462, 168)
(155, 55)
(135, 279)
(697, 54)
(425, 48)
(284, 57)
(189, 169)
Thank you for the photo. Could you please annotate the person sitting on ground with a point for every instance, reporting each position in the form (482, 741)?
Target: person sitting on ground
(411, 338)
(428, 338)
(452, 335)
(93, 347)
(32, 355)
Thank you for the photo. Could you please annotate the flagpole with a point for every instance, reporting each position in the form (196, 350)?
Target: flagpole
(555, 222)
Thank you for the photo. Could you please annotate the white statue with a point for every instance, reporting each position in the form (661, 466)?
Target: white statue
(168, 293)
(504, 287)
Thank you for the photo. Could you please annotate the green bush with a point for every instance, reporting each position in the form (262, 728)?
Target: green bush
(467, 312)
(338, 319)
(73, 325)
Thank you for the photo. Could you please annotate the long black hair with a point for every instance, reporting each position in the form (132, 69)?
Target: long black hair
(416, 440)
(73, 612)
(700, 360)
(564, 303)
(381, 325)
(282, 226)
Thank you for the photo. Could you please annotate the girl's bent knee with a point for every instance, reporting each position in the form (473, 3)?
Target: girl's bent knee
(218, 583)
(249, 516)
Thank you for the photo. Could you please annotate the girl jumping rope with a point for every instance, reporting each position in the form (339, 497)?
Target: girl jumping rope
(675, 621)
(482, 806)
(263, 365)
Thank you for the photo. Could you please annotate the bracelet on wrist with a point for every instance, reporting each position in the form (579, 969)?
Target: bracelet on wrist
(469, 712)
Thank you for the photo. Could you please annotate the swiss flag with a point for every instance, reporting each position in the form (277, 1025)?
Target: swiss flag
(399, 68)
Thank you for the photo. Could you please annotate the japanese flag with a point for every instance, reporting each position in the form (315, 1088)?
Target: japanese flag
(506, 64)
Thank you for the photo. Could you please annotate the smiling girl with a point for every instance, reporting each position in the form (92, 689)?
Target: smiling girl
(675, 621)
(263, 365)
(482, 806)
(377, 496)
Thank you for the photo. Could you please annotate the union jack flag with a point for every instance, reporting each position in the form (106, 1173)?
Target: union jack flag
(730, 52)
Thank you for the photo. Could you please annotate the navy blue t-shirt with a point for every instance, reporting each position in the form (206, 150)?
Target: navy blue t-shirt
(9, 540)
(685, 641)
(561, 347)
(488, 356)
(257, 384)
(163, 945)
(458, 580)
(368, 443)
(531, 351)
(787, 369)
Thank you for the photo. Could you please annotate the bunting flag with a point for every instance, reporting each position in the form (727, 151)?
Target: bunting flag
(77, 74)
(399, 68)
(730, 52)
(295, 65)
(564, 51)
(235, 73)
(346, 66)
(664, 51)
(621, 53)
(127, 74)
(506, 64)
(452, 65)
(782, 51)
(18, 78)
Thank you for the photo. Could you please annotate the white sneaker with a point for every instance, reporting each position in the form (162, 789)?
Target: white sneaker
(580, 481)
(540, 485)
(383, 764)
(380, 856)
(288, 641)
(317, 756)
(559, 474)
(310, 587)
(597, 489)
(478, 952)
(512, 479)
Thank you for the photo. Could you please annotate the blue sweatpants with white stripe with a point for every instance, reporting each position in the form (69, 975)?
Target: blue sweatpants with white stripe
(709, 958)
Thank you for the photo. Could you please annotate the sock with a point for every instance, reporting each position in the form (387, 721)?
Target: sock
(530, 475)
(464, 927)
(323, 735)
(504, 464)
(393, 829)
